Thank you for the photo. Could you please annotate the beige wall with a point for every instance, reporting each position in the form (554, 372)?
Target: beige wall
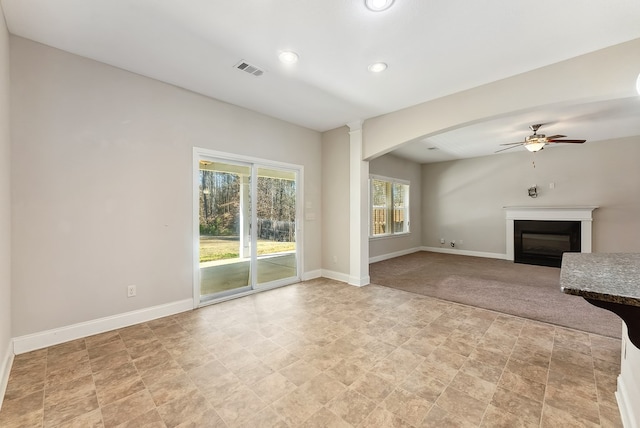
(102, 184)
(463, 199)
(335, 200)
(395, 167)
(5, 207)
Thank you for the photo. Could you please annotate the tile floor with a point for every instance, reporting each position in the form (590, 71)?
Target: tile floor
(322, 354)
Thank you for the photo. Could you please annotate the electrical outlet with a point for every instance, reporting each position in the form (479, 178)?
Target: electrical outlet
(460, 242)
(453, 244)
(131, 291)
(442, 240)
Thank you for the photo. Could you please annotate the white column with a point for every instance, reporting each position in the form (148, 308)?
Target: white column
(358, 209)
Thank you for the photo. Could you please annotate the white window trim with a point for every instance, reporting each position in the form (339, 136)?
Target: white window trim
(391, 180)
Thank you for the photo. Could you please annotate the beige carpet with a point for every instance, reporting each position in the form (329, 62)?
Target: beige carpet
(527, 291)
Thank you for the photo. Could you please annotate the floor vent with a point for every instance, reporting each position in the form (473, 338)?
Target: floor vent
(248, 68)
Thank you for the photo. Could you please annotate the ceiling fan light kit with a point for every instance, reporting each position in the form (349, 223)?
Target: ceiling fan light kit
(534, 146)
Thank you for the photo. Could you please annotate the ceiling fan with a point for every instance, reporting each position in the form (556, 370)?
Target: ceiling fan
(536, 142)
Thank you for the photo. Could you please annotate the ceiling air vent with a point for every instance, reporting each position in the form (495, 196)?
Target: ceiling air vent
(248, 68)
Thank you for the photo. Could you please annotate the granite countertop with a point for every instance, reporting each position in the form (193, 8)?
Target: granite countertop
(611, 277)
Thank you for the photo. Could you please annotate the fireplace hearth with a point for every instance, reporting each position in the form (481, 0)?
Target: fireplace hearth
(540, 242)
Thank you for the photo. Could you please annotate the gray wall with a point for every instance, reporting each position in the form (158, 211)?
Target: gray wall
(335, 201)
(464, 199)
(102, 184)
(395, 167)
(5, 207)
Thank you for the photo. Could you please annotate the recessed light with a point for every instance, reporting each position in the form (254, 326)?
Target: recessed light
(377, 67)
(288, 57)
(378, 5)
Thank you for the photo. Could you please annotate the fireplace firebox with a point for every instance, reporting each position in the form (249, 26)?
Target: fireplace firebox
(540, 242)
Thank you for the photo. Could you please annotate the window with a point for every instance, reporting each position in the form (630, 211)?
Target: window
(389, 206)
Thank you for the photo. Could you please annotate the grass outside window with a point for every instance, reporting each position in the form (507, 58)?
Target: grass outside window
(214, 248)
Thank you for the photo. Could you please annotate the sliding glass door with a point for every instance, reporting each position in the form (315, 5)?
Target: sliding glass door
(247, 226)
(225, 244)
(276, 225)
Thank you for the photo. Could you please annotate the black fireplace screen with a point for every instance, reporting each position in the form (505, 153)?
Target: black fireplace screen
(544, 242)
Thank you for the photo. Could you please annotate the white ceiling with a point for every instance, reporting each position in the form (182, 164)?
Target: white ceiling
(434, 48)
(596, 121)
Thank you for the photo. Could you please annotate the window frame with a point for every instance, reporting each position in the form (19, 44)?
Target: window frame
(390, 182)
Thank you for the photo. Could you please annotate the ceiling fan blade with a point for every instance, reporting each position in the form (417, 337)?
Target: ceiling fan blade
(507, 148)
(567, 141)
(553, 137)
(511, 144)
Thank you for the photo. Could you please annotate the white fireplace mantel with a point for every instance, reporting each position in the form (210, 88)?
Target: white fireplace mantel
(583, 214)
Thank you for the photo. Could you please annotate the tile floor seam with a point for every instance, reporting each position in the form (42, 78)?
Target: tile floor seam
(544, 398)
(595, 380)
(498, 383)
(448, 384)
(94, 383)
(147, 387)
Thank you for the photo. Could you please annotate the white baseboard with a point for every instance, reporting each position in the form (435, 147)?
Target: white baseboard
(465, 252)
(345, 277)
(47, 338)
(312, 275)
(5, 370)
(337, 276)
(394, 254)
(359, 281)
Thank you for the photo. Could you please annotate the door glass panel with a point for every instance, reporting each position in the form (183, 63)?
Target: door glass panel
(276, 224)
(225, 216)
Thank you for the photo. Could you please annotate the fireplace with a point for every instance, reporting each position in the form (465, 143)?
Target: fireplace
(579, 214)
(543, 242)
